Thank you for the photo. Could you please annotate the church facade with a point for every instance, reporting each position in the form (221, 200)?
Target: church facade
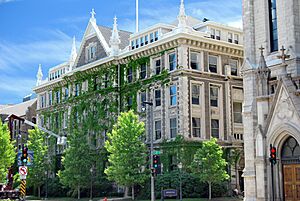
(271, 111)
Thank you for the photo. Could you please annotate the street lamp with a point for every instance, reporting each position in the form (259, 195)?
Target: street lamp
(91, 193)
(180, 187)
(150, 103)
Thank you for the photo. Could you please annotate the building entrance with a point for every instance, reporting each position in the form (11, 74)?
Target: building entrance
(291, 169)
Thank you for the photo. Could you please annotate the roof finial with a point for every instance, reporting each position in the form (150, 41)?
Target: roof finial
(39, 76)
(93, 13)
(182, 18)
(283, 56)
(262, 62)
(114, 39)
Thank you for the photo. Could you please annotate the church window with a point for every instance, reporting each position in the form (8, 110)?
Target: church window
(151, 37)
(230, 37)
(156, 35)
(146, 40)
(273, 25)
(213, 64)
(196, 94)
(236, 38)
(196, 127)
(233, 67)
(143, 71)
(157, 66)
(237, 112)
(172, 61)
(214, 96)
(215, 128)
(195, 61)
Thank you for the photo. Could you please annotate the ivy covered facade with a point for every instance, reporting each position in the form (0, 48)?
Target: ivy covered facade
(189, 70)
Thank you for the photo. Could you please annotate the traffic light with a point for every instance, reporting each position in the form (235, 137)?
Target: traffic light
(24, 156)
(156, 164)
(272, 155)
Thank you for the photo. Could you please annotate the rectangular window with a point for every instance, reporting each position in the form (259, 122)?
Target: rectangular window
(196, 94)
(233, 66)
(157, 97)
(42, 101)
(146, 40)
(57, 95)
(213, 64)
(50, 98)
(151, 38)
(105, 81)
(273, 25)
(214, 96)
(157, 128)
(142, 41)
(65, 123)
(157, 66)
(218, 34)
(195, 61)
(137, 43)
(215, 128)
(172, 61)
(92, 52)
(143, 98)
(173, 95)
(132, 45)
(237, 112)
(230, 37)
(156, 35)
(143, 71)
(236, 38)
(196, 127)
(212, 33)
(173, 127)
(129, 75)
(66, 93)
(77, 89)
(129, 103)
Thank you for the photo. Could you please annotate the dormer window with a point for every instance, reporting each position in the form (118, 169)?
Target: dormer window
(91, 52)
(151, 38)
(230, 37)
(142, 41)
(137, 43)
(146, 39)
(156, 35)
(132, 45)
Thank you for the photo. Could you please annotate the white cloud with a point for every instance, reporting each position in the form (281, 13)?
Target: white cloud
(238, 23)
(6, 1)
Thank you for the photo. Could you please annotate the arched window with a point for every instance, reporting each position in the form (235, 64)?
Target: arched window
(290, 151)
(273, 26)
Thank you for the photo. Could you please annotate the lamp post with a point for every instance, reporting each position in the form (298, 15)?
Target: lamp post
(180, 185)
(151, 147)
(91, 193)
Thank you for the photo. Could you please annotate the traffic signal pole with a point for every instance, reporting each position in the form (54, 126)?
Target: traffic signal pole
(273, 162)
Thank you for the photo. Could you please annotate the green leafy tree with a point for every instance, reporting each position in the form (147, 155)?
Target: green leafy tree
(36, 143)
(77, 162)
(7, 151)
(128, 153)
(209, 165)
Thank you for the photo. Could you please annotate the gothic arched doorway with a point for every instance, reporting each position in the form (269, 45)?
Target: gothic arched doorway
(290, 158)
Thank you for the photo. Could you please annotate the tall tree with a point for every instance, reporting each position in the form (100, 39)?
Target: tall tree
(7, 151)
(128, 153)
(37, 144)
(77, 162)
(209, 165)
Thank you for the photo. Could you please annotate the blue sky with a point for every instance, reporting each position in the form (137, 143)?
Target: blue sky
(36, 32)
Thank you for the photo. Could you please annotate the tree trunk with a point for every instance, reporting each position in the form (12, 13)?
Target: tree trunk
(126, 192)
(209, 190)
(39, 191)
(132, 192)
(78, 193)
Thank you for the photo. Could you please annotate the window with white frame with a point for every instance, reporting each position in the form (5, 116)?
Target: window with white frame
(173, 127)
(212, 33)
(195, 60)
(92, 52)
(173, 95)
(196, 127)
(233, 66)
(57, 95)
(43, 101)
(213, 64)
(77, 89)
(146, 40)
(237, 112)
(50, 98)
(65, 122)
(66, 92)
(132, 45)
(151, 37)
(218, 34)
(129, 75)
(214, 96)
(142, 41)
(196, 94)
(215, 130)
(157, 129)
(156, 36)
(143, 98)
(143, 71)
(137, 43)
(172, 61)
(230, 36)
(157, 66)
(157, 94)
(236, 38)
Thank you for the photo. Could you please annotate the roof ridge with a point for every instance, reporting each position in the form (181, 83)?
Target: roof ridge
(112, 28)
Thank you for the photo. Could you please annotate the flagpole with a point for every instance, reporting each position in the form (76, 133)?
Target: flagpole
(137, 16)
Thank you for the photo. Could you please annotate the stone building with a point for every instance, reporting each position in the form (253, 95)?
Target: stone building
(200, 59)
(271, 105)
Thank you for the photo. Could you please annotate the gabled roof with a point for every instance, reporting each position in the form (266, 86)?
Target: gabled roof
(124, 35)
(18, 109)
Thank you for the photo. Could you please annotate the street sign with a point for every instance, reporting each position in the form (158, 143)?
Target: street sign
(170, 193)
(23, 170)
(156, 152)
(29, 161)
(23, 177)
